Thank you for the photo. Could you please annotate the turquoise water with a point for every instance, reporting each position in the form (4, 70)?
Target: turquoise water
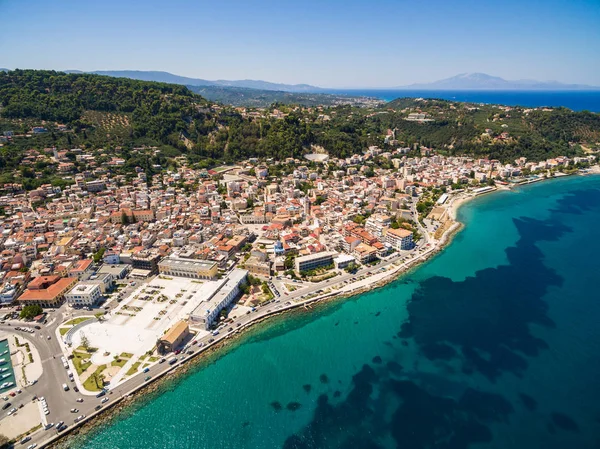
(7, 365)
(492, 344)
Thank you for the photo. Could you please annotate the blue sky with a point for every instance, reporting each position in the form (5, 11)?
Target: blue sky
(328, 43)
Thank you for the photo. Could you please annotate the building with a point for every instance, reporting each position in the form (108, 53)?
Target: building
(47, 291)
(377, 223)
(173, 338)
(343, 260)
(84, 294)
(105, 281)
(227, 290)
(188, 268)
(365, 253)
(145, 261)
(81, 270)
(117, 271)
(258, 267)
(313, 261)
(399, 238)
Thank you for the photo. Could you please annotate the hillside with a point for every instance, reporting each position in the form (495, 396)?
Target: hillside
(258, 98)
(150, 124)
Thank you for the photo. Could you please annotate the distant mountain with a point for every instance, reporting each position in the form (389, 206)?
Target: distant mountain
(166, 77)
(473, 81)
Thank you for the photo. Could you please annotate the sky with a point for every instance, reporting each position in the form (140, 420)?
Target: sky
(327, 43)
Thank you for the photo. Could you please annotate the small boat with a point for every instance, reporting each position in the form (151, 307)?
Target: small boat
(5, 352)
(4, 376)
(2, 361)
(3, 369)
(10, 384)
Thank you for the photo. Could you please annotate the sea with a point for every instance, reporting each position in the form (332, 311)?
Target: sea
(493, 343)
(575, 100)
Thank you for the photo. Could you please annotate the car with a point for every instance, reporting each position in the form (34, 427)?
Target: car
(62, 427)
(37, 327)
(48, 426)
(102, 393)
(26, 439)
(79, 399)
(74, 410)
(211, 340)
(5, 406)
(60, 423)
(147, 378)
(104, 401)
(98, 407)
(177, 352)
(238, 324)
(75, 389)
(162, 360)
(146, 370)
(13, 394)
(32, 446)
(190, 352)
(11, 411)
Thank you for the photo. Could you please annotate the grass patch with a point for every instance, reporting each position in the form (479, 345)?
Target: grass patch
(90, 383)
(63, 330)
(78, 361)
(126, 355)
(133, 369)
(154, 359)
(75, 321)
(119, 362)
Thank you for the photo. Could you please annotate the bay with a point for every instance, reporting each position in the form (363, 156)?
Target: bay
(493, 343)
(575, 100)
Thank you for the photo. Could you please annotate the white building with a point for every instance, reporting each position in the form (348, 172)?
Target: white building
(399, 238)
(83, 294)
(220, 298)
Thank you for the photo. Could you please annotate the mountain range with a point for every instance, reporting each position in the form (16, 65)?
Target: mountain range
(166, 77)
(482, 81)
(463, 81)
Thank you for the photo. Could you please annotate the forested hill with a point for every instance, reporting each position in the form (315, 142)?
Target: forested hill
(117, 115)
(500, 132)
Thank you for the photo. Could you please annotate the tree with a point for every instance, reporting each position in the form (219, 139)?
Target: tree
(99, 254)
(124, 218)
(98, 379)
(85, 343)
(31, 311)
(4, 441)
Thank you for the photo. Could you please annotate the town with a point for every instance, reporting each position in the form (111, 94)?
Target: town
(113, 281)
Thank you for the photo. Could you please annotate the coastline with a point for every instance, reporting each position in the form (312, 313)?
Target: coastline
(118, 405)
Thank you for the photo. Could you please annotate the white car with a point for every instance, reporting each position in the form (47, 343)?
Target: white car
(11, 411)
(79, 399)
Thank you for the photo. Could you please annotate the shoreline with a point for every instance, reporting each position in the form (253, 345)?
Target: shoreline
(177, 372)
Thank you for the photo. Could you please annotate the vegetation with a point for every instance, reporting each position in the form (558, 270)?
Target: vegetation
(150, 125)
(31, 311)
(96, 380)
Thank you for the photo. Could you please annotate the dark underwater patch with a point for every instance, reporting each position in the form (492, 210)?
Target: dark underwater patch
(324, 379)
(394, 367)
(438, 351)
(485, 315)
(276, 406)
(564, 422)
(293, 406)
(307, 387)
(377, 360)
(529, 403)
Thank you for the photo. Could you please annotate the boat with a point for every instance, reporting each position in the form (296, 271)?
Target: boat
(4, 376)
(3, 369)
(5, 352)
(10, 384)
(2, 361)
